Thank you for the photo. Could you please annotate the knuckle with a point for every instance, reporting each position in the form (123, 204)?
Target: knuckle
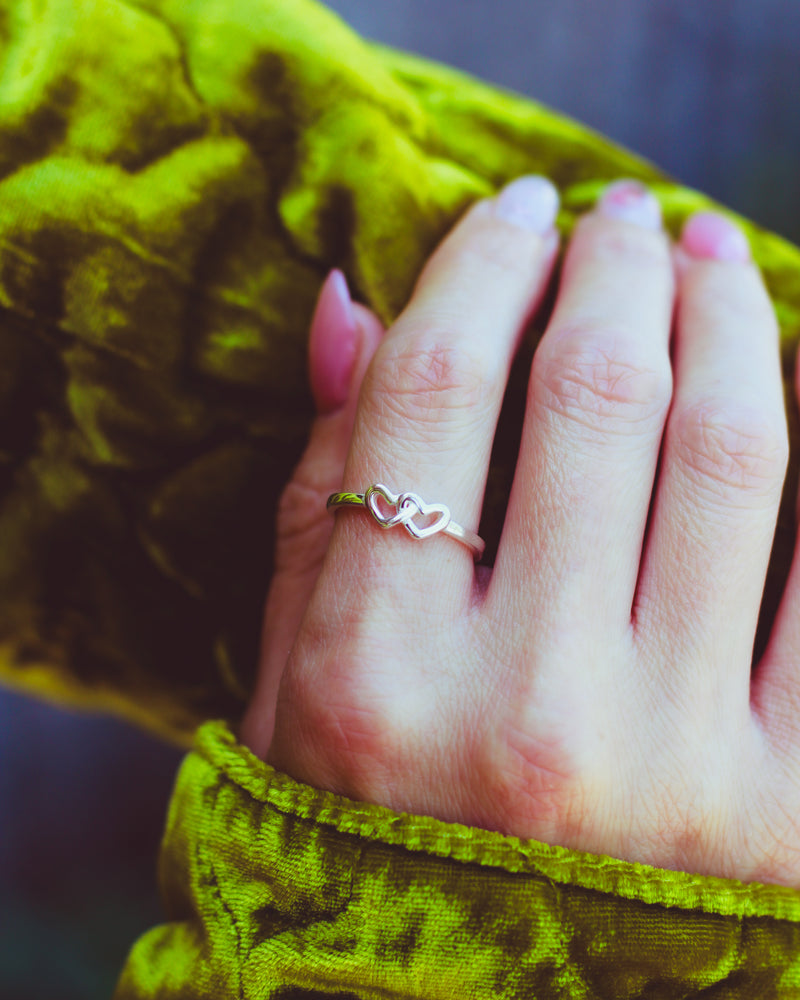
(591, 380)
(428, 379)
(727, 443)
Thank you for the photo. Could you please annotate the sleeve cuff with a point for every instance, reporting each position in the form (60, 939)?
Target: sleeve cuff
(272, 886)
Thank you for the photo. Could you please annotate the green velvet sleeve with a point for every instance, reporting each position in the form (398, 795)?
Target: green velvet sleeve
(177, 177)
(277, 890)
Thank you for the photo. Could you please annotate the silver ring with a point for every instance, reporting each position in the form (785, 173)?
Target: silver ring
(403, 509)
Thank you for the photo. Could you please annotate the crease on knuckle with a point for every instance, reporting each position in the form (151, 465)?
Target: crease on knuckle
(727, 444)
(429, 381)
(590, 381)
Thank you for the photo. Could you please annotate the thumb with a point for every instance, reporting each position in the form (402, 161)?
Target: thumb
(342, 341)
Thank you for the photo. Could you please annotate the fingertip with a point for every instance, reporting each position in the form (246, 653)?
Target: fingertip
(531, 202)
(631, 201)
(712, 236)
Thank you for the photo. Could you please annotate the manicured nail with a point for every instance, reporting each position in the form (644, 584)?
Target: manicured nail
(333, 344)
(631, 202)
(340, 298)
(711, 236)
(530, 202)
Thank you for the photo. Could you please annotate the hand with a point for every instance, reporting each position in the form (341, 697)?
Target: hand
(594, 688)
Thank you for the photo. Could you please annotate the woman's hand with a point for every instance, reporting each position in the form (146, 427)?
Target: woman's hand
(594, 688)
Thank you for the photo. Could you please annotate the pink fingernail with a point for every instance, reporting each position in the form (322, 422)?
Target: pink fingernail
(333, 344)
(709, 235)
(632, 202)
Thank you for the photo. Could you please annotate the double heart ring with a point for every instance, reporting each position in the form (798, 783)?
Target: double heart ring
(420, 519)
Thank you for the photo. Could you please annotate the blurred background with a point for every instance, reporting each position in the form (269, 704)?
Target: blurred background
(707, 91)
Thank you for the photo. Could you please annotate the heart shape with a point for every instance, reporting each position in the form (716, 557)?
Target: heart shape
(411, 504)
(404, 508)
(371, 499)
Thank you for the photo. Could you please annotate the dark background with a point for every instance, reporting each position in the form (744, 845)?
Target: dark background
(709, 91)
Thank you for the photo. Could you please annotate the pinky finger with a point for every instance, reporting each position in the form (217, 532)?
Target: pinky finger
(344, 337)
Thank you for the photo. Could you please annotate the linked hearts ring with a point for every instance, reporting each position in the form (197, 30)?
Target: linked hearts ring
(420, 519)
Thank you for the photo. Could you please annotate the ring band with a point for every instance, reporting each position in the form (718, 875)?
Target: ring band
(403, 508)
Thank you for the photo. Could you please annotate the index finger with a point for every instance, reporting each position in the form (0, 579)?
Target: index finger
(430, 401)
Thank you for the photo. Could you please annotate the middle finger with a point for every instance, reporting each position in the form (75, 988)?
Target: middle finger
(598, 397)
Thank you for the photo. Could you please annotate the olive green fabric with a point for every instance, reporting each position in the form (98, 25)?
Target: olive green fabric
(176, 179)
(278, 890)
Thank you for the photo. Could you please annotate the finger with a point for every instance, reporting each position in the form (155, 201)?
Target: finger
(724, 460)
(598, 397)
(342, 341)
(775, 691)
(431, 398)
(343, 338)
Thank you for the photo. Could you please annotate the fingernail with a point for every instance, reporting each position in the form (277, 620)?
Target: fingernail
(530, 202)
(631, 202)
(333, 344)
(342, 299)
(711, 236)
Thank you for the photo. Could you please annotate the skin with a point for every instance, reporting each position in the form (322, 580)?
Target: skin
(593, 689)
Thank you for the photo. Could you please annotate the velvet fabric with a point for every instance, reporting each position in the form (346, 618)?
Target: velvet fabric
(177, 177)
(279, 890)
